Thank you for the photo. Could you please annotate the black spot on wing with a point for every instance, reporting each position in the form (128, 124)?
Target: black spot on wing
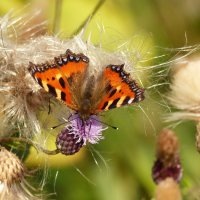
(104, 106)
(112, 93)
(39, 81)
(108, 88)
(114, 103)
(63, 96)
(62, 82)
(52, 90)
(125, 102)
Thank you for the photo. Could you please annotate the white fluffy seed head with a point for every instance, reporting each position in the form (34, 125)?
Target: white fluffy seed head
(185, 89)
(19, 95)
(45, 48)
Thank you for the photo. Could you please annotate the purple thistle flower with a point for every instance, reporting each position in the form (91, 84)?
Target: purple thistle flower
(78, 132)
(161, 170)
(89, 130)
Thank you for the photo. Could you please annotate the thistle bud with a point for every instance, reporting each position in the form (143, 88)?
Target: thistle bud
(67, 142)
(167, 163)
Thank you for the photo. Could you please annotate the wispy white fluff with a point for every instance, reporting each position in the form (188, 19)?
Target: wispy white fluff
(17, 192)
(185, 89)
(20, 97)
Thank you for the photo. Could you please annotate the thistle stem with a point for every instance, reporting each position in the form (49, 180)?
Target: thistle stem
(97, 7)
(57, 16)
(27, 141)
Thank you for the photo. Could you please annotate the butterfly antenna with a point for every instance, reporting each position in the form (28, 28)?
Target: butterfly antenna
(49, 108)
(59, 125)
(114, 127)
(64, 123)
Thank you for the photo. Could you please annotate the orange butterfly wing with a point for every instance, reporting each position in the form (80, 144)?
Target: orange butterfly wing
(121, 90)
(55, 77)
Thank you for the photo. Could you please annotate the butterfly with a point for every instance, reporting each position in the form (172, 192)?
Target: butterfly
(68, 79)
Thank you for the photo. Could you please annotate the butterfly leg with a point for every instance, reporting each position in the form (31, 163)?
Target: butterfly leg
(83, 126)
(80, 124)
(49, 106)
(70, 118)
(90, 125)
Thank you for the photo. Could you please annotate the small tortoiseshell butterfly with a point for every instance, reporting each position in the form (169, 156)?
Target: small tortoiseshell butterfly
(67, 79)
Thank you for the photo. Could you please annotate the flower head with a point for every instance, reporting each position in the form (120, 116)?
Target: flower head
(11, 168)
(78, 133)
(167, 164)
(167, 170)
(185, 90)
(89, 130)
(20, 97)
(185, 93)
(12, 178)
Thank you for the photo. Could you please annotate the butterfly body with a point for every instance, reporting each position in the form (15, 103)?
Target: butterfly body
(68, 79)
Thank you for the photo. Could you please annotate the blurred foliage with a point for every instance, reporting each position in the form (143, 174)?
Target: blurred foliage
(119, 167)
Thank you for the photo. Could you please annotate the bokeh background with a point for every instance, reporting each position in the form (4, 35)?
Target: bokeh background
(119, 167)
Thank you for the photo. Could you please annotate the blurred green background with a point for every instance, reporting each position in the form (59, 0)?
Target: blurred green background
(119, 167)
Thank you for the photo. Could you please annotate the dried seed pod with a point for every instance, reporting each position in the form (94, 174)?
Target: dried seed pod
(13, 183)
(11, 168)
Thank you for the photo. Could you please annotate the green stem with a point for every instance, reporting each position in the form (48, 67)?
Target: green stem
(27, 141)
(97, 7)
(57, 16)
